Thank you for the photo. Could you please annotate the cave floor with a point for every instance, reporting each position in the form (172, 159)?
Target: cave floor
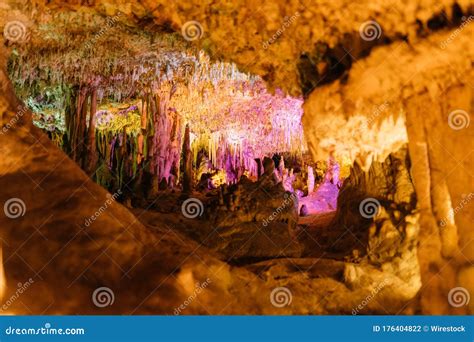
(317, 277)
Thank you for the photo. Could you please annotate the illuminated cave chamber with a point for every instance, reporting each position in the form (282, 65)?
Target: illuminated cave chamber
(145, 119)
(192, 143)
(158, 123)
(183, 166)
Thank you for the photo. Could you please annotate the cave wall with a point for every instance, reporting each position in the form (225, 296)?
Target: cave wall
(376, 226)
(428, 86)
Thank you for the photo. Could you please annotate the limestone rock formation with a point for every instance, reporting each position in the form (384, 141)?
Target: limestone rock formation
(433, 97)
(377, 212)
(254, 220)
(386, 188)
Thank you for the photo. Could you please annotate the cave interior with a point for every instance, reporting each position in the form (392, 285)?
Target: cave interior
(282, 157)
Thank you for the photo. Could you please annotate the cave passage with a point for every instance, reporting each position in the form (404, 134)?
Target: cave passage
(142, 169)
(178, 134)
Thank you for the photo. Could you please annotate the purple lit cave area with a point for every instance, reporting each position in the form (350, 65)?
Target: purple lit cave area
(268, 159)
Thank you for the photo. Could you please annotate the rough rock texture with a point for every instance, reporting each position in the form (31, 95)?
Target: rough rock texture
(254, 220)
(425, 91)
(376, 228)
(387, 187)
(241, 222)
(386, 184)
(288, 43)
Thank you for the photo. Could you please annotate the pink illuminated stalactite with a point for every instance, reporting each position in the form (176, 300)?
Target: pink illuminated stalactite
(188, 179)
(239, 122)
(167, 138)
(159, 138)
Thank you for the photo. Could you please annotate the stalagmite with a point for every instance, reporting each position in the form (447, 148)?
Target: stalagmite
(310, 181)
(187, 162)
(82, 130)
(91, 150)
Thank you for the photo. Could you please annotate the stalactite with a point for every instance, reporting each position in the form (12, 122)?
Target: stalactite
(70, 114)
(80, 127)
(310, 181)
(75, 123)
(187, 162)
(91, 150)
(142, 135)
(429, 249)
(81, 137)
